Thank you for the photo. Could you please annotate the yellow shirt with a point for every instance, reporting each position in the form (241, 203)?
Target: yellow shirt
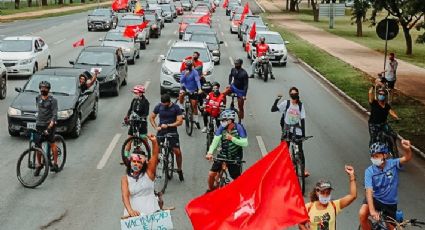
(323, 219)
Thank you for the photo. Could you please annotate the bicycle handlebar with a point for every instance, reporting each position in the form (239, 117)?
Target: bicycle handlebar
(168, 135)
(229, 161)
(302, 139)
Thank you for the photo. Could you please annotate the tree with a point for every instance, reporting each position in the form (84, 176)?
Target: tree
(360, 8)
(315, 7)
(408, 13)
(17, 4)
(419, 26)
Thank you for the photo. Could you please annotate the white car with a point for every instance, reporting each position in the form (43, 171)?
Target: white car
(170, 70)
(279, 53)
(3, 81)
(246, 36)
(143, 35)
(24, 56)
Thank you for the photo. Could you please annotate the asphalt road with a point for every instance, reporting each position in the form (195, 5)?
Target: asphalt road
(84, 197)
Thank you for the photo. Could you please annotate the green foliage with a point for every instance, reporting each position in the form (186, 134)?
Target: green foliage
(359, 11)
(421, 38)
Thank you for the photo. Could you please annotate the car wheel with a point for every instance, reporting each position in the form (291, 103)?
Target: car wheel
(95, 111)
(142, 46)
(124, 82)
(117, 89)
(3, 87)
(49, 62)
(247, 55)
(88, 29)
(133, 60)
(35, 68)
(180, 36)
(77, 127)
(284, 64)
(148, 41)
(13, 133)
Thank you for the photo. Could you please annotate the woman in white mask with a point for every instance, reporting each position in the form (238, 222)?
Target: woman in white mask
(322, 209)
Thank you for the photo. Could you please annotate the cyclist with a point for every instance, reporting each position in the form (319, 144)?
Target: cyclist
(190, 83)
(262, 50)
(213, 103)
(140, 106)
(381, 183)
(170, 117)
(379, 114)
(233, 137)
(47, 110)
(322, 210)
(85, 83)
(238, 84)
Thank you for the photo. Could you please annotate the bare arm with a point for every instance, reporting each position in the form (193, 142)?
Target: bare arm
(369, 198)
(303, 226)
(92, 81)
(125, 194)
(152, 118)
(405, 144)
(179, 121)
(371, 96)
(348, 199)
(394, 114)
(153, 162)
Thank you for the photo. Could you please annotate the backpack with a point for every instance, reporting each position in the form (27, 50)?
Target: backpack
(333, 205)
(288, 103)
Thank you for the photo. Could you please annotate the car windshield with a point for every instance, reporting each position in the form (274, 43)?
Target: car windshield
(117, 37)
(150, 17)
(16, 46)
(128, 22)
(271, 38)
(166, 8)
(208, 38)
(59, 84)
(100, 13)
(237, 17)
(96, 58)
(177, 54)
(249, 21)
(190, 19)
(192, 28)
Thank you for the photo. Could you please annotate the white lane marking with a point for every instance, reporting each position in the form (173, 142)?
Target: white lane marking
(168, 43)
(261, 145)
(175, 32)
(231, 60)
(159, 59)
(225, 44)
(108, 151)
(147, 84)
(60, 41)
(2, 35)
(222, 33)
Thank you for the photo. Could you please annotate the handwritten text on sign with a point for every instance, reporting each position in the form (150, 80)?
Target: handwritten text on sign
(156, 221)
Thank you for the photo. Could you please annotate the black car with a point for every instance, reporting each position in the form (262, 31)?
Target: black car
(155, 28)
(211, 39)
(74, 106)
(101, 19)
(111, 63)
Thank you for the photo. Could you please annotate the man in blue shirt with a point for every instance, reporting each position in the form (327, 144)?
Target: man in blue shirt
(381, 183)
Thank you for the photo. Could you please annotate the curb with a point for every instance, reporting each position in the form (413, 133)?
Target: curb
(349, 99)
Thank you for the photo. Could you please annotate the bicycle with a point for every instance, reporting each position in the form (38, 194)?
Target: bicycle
(298, 158)
(222, 179)
(398, 224)
(211, 128)
(232, 103)
(27, 162)
(188, 116)
(387, 136)
(138, 142)
(165, 168)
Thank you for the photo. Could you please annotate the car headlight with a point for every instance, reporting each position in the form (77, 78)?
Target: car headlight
(65, 114)
(26, 61)
(14, 112)
(166, 71)
(108, 21)
(215, 51)
(111, 77)
(126, 50)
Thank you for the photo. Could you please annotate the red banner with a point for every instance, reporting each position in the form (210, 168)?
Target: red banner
(78, 43)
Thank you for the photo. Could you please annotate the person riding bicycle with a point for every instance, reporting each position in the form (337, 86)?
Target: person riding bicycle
(85, 83)
(190, 83)
(197, 64)
(238, 84)
(381, 183)
(379, 114)
(47, 110)
(233, 138)
(170, 117)
(322, 209)
(213, 103)
(262, 49)
(140, 106)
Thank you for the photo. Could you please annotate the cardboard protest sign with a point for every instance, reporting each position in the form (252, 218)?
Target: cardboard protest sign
(158, 221)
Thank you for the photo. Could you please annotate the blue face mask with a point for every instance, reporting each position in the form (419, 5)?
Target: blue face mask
(381, 97)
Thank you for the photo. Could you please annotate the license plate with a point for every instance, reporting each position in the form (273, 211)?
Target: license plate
(31, 125)
(272, 57)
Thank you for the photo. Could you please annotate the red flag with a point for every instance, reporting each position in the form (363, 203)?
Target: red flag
(253, 32)
(143, 25)
(245, 9)
(78, 43)
(140, 12)
(266, 196)
(130, 31)
(204, 19)
(225, 3)
(119, 4)
(242, 18)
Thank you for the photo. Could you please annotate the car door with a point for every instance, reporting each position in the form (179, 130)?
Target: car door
(38, 55)
(121, 69)
(84, 102)
(45, 51)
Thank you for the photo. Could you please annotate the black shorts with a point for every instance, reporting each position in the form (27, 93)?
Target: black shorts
(174, 141)
(143, 128)
(388, 209)
(50, 137)
(235, 170)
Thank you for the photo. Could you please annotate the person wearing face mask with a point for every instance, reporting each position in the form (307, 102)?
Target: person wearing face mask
(140, 106)
(379, 110)
(381, 183)
(47, 110)
(262, 49)
(238, 84)
(85, 83)
(233, 138)
(137, 186)
(213, 104)
(322, 209)
(198, 65)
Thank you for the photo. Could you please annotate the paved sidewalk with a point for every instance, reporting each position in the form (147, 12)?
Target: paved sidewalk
(24, 15)
(410, 78)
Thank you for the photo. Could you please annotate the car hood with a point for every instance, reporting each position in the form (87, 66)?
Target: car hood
(25, 101)
(175, 66)
(212, 47)
(99, 18)
(105, 70)
(275, 47)
(185, 4)
(118, 44)
(15, 55)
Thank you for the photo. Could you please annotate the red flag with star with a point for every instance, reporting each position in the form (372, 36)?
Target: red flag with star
(130, 31)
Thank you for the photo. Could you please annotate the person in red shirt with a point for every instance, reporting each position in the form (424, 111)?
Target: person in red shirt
(262, 49)
(213, 103)
(197, 64)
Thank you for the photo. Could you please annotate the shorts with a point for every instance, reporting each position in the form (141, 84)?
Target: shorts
(174, 141)
(238, 92)
(235, 170)
(50, 137)
(388, 209)
(143, 128)
(192, 96)
(390, 84)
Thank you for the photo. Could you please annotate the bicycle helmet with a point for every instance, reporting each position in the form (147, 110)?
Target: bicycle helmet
(228, 114)
(44, 84)
(139, 89)
(378, 147)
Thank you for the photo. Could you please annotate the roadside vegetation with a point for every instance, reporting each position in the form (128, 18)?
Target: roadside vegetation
(8, 7)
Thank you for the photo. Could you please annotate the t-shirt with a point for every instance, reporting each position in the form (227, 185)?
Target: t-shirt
(384, 182)
(47, 110)
(168, 114)
(230, 150)
(191, 81)
(293, 115)
(323, 219)
(391, 69)
(378, 115)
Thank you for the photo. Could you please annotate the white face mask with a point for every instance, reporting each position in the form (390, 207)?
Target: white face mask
(377, 162)
(324, 200)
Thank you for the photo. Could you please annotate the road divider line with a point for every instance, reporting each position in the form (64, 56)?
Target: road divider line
(225, 44)
(261, 145)
(147, 84)
(108, 151)
(168, 43)
(231, 61)
(58, 42)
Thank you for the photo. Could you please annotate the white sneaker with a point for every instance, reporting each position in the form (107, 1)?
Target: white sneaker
(204, 130)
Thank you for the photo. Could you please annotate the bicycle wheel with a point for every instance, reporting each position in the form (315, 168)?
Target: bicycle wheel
(170, 164)
(210, 137)
(61, 146)
(161, 175)
(188, 119)
(299, 170)
(222, 181)
(136, 144)
(26, 167)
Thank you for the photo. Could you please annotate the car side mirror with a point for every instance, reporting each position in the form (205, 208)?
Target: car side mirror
(38, 50)
(18, 89)
(162, 57)
(72, 62)
(287, 42)
(101, 39)
(221, 42)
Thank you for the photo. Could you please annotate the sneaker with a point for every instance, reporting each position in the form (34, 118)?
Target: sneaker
(204, 130)
(38, 170)
(198, 126)
(54, 168)
(180, 172)
(272, 76)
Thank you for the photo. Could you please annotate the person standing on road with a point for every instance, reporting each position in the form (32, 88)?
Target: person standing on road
(322, 210)
(238, 84)
(381, 183)
(170, 117)
(47, 110)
